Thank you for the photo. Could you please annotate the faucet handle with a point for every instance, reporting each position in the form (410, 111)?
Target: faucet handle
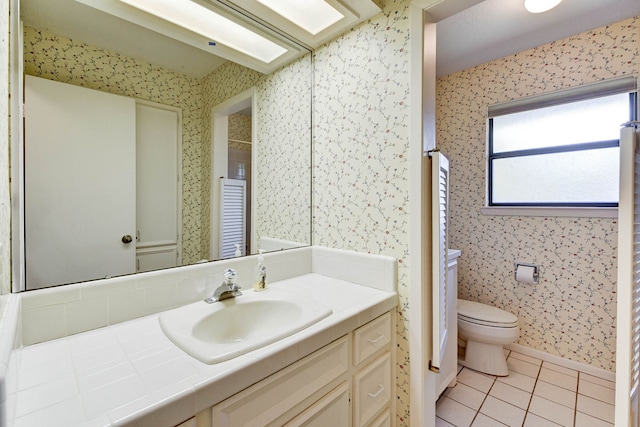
(230, 276)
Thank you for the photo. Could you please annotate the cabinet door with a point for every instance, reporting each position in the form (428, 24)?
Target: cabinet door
(384, 420)
(266, 402)
(332, 410)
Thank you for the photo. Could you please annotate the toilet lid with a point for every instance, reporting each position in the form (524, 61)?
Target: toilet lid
(483, 314)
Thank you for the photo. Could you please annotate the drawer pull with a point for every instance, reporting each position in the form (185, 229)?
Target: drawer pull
(381, 336)
(377, 393)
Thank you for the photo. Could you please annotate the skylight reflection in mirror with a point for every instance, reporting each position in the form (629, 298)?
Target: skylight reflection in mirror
(311, 15)
(207, 23)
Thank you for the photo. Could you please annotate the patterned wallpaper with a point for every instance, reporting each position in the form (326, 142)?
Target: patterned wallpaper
(283, 154)
(361, 145)
(5, 199)
(225, 82)
(239, 130)
(283, 145)
(55, 57)
(572, 311)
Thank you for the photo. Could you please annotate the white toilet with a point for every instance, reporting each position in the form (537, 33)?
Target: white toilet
(485, 329)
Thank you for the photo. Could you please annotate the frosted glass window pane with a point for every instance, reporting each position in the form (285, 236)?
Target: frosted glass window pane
(572, 177)
(585, 121)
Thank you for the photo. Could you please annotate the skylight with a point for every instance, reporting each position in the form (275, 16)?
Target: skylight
(311, 15)
(205, 22)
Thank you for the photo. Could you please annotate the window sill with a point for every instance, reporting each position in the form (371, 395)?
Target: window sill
(550, 211)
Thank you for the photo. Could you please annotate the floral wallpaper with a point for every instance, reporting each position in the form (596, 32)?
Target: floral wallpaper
(283, 154)
(572, 311)
(240, 127)
(225, 82)
(283, 144)
(55, 57)
(361, 145)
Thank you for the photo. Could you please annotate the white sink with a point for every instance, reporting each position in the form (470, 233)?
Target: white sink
(223, 330)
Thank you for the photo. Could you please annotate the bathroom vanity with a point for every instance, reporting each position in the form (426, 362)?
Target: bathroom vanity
(338, 371)
(351, 375)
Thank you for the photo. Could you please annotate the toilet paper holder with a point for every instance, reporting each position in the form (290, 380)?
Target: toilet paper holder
(536, 270)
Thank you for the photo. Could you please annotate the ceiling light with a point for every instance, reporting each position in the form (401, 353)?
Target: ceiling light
(539, 6)
(311, 15)
(205, 22)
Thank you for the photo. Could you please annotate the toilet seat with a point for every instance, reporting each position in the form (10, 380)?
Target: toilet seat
(486, 315)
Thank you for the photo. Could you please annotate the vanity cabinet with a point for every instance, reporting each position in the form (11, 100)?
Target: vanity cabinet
(334, 409)
(345, 383)
(372, 389)
(372, 379)
(270, 401)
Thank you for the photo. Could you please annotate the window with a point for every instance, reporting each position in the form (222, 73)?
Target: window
(560, 149)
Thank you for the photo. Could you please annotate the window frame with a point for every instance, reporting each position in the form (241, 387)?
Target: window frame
(627, 84)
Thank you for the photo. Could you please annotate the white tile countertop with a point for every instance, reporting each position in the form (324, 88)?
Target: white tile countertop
(130, 373)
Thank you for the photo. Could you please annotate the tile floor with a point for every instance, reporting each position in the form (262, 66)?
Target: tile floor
(535, 394)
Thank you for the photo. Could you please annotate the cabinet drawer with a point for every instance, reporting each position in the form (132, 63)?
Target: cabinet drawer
(372, 389)
(371, 337)
(332, 410)
(274, 396)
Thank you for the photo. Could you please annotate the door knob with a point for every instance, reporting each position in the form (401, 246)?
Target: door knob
(127, 238)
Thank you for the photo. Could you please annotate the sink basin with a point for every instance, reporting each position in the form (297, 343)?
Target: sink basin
(223, 330)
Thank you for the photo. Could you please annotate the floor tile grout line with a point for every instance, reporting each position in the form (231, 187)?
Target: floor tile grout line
(531, 397)
(467, 385)
(527, 410)
(593, 397)
(598, 384)
(541, 397)
(483, 400)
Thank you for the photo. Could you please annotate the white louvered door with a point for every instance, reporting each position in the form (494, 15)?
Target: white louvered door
(628, 322)
(440, 297)
(233, 216)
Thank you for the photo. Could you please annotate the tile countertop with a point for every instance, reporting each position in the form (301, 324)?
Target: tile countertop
(131, 374)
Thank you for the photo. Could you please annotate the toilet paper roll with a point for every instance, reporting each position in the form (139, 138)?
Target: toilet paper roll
(525, 273)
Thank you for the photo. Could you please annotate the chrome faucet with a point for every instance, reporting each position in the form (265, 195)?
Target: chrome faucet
(228, 289)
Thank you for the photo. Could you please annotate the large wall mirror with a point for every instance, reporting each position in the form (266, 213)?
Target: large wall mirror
(196, 138)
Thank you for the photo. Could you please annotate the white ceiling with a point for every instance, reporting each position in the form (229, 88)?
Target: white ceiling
(494, 29)
(489, 30)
